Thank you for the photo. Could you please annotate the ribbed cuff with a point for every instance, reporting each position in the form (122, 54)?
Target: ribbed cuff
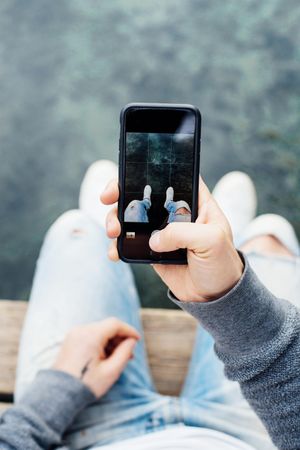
(57, 397)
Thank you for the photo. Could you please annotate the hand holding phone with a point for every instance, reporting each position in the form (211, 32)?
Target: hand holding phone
(213, 264)
(158, 176)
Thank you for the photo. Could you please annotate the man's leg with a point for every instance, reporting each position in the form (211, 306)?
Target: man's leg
(209, 398)
(74, 284)
(170, 205)
(147, 196)
(146, 203)
(179, 211)
(273, 251)
(136, 211)
(236, 195)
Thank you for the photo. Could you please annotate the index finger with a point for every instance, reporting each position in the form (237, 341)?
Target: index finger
(110, 195)
(111, 327)
(204, 193)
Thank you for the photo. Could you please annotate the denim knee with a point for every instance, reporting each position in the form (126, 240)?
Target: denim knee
(73, 224)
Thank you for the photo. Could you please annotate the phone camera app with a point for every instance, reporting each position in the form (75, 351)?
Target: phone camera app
(159, 168)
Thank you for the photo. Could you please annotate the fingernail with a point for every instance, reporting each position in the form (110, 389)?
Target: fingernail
(154, 240)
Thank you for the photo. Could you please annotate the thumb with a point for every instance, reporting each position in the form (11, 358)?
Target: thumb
(192, 236)
(117, 361)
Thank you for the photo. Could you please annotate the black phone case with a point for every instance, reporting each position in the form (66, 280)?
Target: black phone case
(122, 149)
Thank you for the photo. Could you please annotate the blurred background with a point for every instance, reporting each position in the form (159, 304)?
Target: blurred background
(68, 66)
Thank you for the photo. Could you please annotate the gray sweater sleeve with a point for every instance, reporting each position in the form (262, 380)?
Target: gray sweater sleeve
(257, 336)
(41, 417)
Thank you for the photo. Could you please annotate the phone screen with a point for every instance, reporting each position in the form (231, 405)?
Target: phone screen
(158, 182)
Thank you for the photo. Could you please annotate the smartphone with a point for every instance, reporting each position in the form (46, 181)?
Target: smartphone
(159, 155)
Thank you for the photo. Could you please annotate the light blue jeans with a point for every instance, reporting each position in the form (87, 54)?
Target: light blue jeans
(172, 207)
(136, 211)
(75, 283)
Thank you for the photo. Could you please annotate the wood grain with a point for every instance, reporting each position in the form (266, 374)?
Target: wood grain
(169, 337)
(12, 314)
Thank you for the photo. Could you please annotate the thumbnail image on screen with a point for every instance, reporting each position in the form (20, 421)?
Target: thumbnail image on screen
(158, 179)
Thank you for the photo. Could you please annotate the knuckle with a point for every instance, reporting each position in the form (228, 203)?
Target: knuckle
(80, 334)
(171, 234)
(113, 321)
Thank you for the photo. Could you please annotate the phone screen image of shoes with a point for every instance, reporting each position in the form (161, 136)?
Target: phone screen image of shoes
(158, 186)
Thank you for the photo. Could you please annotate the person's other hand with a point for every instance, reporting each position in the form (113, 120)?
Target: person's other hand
(97, 353)
(214, 266)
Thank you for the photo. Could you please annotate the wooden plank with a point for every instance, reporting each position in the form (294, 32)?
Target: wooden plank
(12, 314)
(169, 337)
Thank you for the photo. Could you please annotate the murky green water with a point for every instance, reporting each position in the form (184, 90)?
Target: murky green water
(67, 67)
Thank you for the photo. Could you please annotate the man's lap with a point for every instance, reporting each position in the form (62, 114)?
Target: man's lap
(74, 284)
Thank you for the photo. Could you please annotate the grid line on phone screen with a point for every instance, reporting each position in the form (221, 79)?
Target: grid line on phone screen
(147, 167)
(170, 161)
(150, 161)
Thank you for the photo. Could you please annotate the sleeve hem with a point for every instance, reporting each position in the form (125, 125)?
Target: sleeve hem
(57, 397)
(245, 318)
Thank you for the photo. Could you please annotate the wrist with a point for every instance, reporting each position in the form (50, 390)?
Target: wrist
(56, 397)
(246, 320)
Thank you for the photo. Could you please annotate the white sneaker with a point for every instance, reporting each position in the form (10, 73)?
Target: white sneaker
(147, 192)
(235, 193)
(96, 178)
(169, 196)
(274, 225)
